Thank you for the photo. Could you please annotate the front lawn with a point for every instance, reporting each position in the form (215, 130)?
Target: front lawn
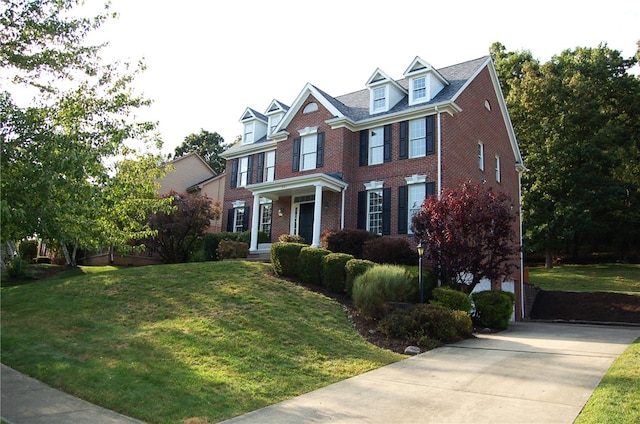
(615, 278)
(167, 343)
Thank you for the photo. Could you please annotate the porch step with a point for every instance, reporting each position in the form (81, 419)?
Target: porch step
(259, 256)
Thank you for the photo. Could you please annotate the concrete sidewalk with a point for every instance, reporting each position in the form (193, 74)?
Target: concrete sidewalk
(531, 373)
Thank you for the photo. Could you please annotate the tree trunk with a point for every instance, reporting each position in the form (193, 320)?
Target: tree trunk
(548, 258)
(65, 252)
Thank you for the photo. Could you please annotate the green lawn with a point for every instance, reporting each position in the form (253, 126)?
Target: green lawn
(617, 278)
(200, 342)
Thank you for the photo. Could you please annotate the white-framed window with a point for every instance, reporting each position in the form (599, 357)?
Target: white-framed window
(419, 88)
(376, 146)
(415, 196)
(379, 98)
(481, 155)
(238, 220)
(374, 211)
(266, 213)
(498, 176)
(243, 172)
(269, 166)
(247, 136)
(417, 138)
(308, 150)
(274, 120)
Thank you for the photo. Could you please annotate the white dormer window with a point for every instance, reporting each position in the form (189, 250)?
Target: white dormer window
(419, 88)
(425, 82)
(380, 99)
(274, 120)
(247, 136)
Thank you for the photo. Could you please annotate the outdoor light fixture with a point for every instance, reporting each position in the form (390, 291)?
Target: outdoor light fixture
(280, 211)
(420, 280)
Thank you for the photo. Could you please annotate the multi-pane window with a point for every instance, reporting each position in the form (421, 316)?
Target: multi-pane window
(238, 220)
(308, 152)
(498, 176)
(273, 122)
(417, 138)
(379, 98)
(269, 166)
(416, 197)
(419, 88)
(243, 172)
(266, 212)
(481, 156)
(376, 146)
(374, 211)
(248, 133)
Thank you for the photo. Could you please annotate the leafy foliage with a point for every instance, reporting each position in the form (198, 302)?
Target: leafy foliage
(452, 299)
(380, 285)
(353, 268)
(387, 250)
(285, 258)
(334, 274)
(310, 264)
(493, 308)
(206, 144)
(346, 241)
(468, 234)
(178, 231)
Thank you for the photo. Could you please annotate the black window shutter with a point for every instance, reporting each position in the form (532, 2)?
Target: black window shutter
(250, 169)
(403, 215)
(431, 147)
(260, 168)
(320, 151)
(230, 216)
(386, 211)
(403, 151)
(364, 147)
(234, 173)
(245, 219)
(387, 143)
(362, 210)
(431, 188)
(295, 165)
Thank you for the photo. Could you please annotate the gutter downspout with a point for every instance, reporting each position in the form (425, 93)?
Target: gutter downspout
(439, 155)
(522, 311)
(342, 209)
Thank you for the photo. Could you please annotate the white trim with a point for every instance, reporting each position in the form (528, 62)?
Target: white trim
(416, 179)
(373, 185)
(239, 204)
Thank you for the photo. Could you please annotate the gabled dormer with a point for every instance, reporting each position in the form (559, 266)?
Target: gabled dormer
(254, 126)
(425, 82)
(385, 93)
(274, 113)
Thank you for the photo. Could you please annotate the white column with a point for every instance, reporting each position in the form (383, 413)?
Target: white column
(317, 217)
(255, 224)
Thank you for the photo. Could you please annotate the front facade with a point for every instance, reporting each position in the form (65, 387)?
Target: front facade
(367, 159)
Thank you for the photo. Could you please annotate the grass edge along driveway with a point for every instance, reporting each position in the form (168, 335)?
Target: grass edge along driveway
(200, 342)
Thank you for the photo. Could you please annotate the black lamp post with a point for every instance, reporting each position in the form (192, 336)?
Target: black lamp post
(420, 253)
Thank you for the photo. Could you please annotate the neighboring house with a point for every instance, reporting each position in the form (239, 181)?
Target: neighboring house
(367, 159)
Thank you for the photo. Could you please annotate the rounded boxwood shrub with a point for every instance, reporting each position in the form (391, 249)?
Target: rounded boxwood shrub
(334, 273)
(379, 285)
(284, 258)
(388, 250)
(452, 299)
(354, 268)
(229, 249)
(310, 264)
(493, 308)
(291, 238)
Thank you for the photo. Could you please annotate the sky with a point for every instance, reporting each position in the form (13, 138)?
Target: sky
(207, 61)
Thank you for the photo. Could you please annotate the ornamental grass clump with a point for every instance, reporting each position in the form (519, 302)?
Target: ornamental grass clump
(379, 285)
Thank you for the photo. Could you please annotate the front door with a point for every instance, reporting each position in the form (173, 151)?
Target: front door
(305, 222)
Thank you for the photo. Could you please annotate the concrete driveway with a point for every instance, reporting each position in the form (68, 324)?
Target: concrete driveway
(531, 373)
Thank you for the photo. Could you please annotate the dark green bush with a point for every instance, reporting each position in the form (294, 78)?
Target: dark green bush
(426, 325)
(334, 273)
(354, 268)
(28, 250)
(245, 236)
(373, 290)
(310, 264)
(229, 249)
(291, 238)
(493, 308)
(387, 250)
(346, 241)
(452, 299)
(284, 258)
(16, 267)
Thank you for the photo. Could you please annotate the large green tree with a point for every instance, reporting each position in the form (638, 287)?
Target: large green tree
(58, 146)
(209, 145)
(577, 118)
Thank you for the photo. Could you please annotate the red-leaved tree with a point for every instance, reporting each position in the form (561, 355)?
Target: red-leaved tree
(468, 234)
(178, 231)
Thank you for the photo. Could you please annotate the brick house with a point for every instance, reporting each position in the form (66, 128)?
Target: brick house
(368, 158)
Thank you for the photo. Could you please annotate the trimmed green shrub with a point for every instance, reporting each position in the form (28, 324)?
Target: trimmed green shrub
(379, 285)
(334, 273)
(28, 250)
(387, 250)
(452, 299)
(353, 268)
(493, 308)
(284, 258)
(310, 264)
(245, 236)
(229, 249)
(346, 241)
(16, 267)
(291, 238)
(427, 325)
